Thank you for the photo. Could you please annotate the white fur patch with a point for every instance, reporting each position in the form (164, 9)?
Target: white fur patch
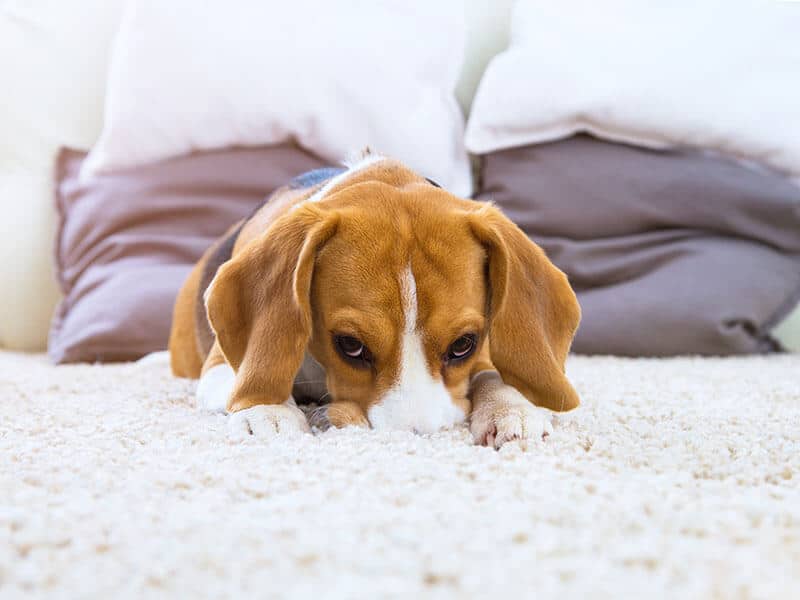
(215, 388)
(352, 168)
(417, 402)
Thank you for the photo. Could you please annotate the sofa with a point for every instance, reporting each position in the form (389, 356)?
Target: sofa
(634, 205)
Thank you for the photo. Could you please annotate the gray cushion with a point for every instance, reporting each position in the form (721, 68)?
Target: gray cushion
(670, 252)
(127, 240)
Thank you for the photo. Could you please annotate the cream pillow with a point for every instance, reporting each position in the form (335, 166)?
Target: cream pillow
(334, 76)
(788, 331)
(53, 66)
(488, 23)
(715, 74)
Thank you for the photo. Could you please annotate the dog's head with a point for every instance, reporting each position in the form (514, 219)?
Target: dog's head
(402, 292)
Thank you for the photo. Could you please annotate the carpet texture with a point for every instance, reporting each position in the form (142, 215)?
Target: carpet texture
(676, 478)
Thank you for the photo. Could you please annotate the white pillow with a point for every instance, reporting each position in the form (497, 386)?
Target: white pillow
(719, 74)
(334, 76)
(52, 70)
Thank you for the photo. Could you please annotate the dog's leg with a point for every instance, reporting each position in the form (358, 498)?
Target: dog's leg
(262, 420)
(501, 414)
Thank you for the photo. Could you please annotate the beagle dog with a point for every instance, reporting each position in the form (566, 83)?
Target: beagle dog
(384, 298)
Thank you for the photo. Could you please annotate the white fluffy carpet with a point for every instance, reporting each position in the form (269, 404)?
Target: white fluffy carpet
(677, 478)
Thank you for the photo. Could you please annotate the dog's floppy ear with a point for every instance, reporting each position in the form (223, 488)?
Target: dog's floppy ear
(533, 312)
(259, 306)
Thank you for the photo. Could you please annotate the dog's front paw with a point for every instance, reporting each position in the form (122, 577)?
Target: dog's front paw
(338, 415)
(508, 416)
(268, 420)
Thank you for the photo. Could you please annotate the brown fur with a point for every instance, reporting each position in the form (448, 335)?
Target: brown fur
(301, 272)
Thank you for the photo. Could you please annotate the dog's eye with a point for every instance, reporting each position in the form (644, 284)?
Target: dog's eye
(462, 347)
(352, 348)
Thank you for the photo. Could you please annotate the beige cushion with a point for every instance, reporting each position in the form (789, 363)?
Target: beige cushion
(788, 331)
(53, 63)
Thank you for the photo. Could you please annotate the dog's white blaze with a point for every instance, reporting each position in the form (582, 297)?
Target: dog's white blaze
(352, 168)
(215, 388)
(417, 402)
